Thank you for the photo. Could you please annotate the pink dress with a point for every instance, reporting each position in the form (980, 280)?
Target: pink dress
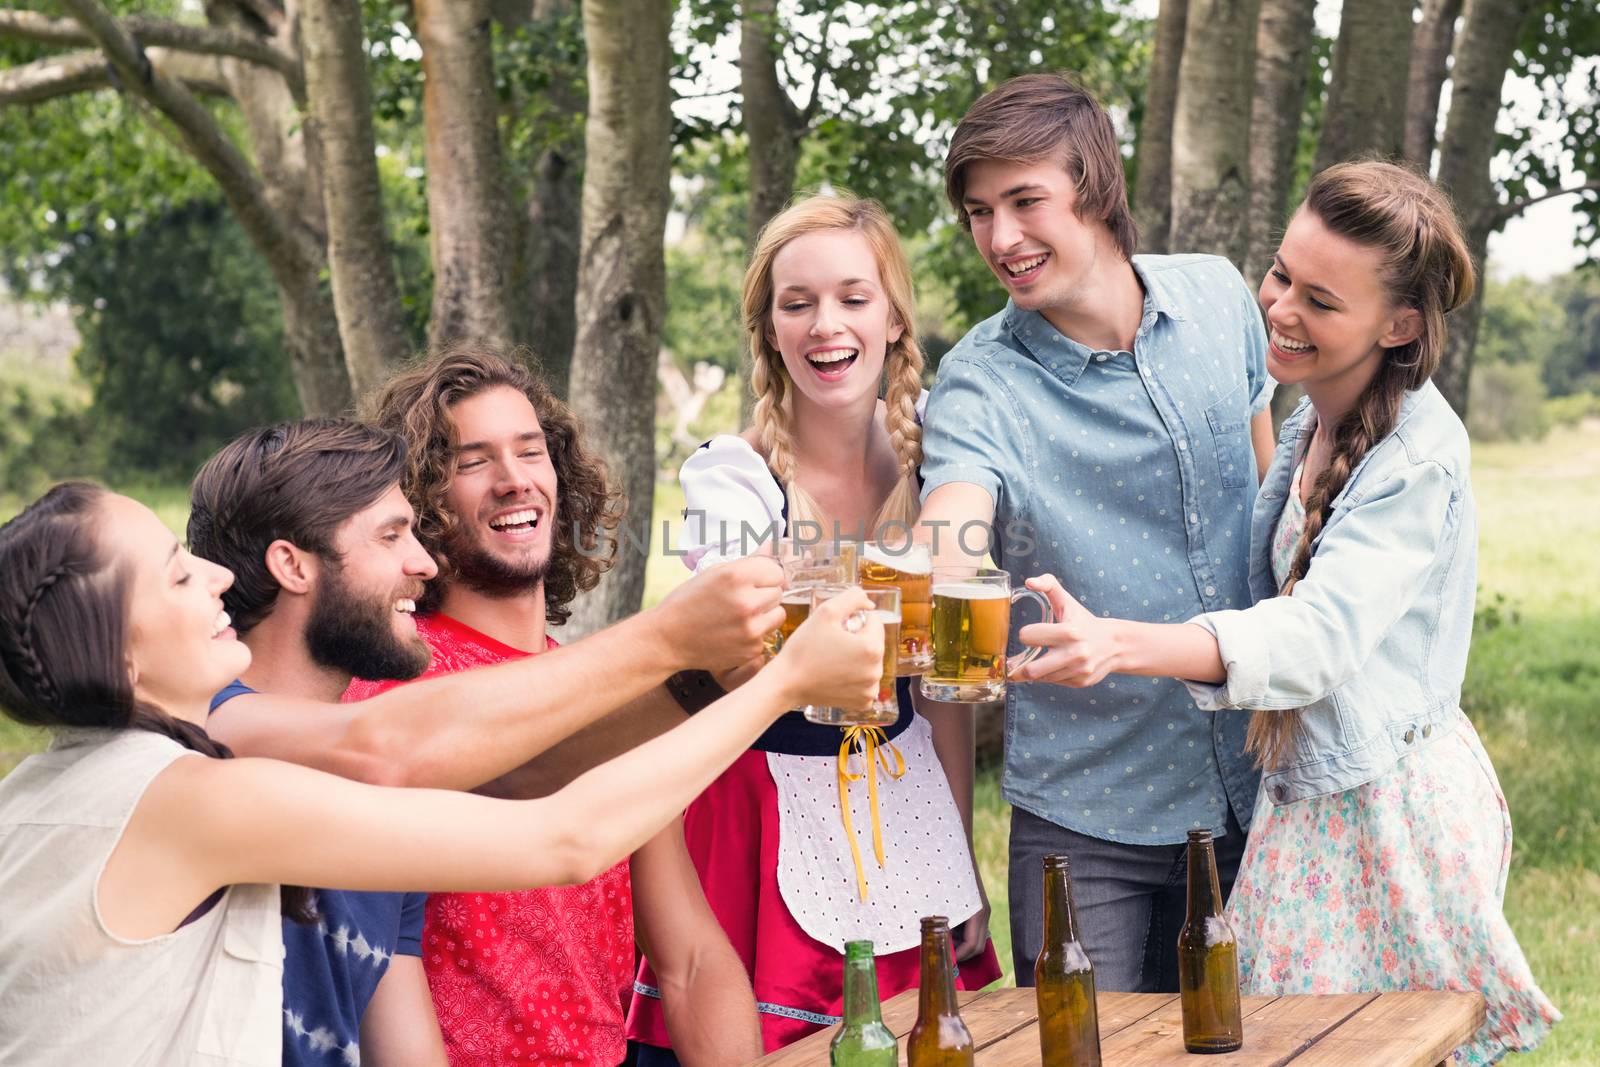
(1396, 884)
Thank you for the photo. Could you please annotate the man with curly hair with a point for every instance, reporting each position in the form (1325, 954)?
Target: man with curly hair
(520, 517)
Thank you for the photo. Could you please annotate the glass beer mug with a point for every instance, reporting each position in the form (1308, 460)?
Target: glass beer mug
(969, 625)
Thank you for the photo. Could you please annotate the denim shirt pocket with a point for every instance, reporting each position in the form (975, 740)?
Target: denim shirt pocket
(1229, 419)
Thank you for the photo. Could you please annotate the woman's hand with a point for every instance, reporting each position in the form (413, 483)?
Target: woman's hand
(835, 658)
(972, 935)
(1081, 648)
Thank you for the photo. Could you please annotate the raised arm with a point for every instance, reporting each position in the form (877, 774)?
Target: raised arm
(461, 730)
(206, 823)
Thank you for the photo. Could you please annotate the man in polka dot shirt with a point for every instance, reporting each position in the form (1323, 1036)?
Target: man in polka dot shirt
(1108, 427)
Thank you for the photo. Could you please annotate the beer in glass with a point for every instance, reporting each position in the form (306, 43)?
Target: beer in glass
(1208, 959)
(804, 566)
(939, 1038)
(970, 624)
(1063, 978)
(908, 567)
(885, 707)
(862, 1040)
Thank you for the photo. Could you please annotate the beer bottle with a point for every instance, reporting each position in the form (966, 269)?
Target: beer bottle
(1069, 1026)
(862, 1040)
(1208, 959)
(939, 1038)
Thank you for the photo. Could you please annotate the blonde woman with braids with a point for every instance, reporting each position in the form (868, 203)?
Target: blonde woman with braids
(1378, 855)
(828, 309)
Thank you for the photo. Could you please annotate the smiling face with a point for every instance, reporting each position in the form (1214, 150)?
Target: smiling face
(502, 493)
(1025, 226)
(1329, 317)
(361, 620)
(830, 318)
(181, 648)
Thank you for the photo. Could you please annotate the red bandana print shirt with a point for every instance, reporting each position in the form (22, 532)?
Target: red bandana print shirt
(536, 977)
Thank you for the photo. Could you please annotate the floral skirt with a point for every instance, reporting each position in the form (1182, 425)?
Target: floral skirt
(1395, 884)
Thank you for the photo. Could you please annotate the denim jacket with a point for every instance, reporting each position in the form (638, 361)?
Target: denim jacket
(1372, 643)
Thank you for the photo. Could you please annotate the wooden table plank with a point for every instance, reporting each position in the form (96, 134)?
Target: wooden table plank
(899, 1015)
(1404, 1029)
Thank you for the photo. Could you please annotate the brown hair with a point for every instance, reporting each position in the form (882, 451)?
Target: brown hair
(64, 634)
(295, 481)
(416, 405)
(769, 380)
(1426, 266)
(1046, 116)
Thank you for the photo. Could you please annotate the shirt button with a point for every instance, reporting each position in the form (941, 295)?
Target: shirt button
(1211, 590)
(1183, 446)
(1427, 731)
(1193, 518)
(1099, 357)
(1411, 735)
(1279, 792)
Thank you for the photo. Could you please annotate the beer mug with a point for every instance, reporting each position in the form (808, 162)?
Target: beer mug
(970, 624)
(885, 707)
(908, 567)
(805, 565)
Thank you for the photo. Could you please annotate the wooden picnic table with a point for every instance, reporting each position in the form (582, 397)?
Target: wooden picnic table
(1146, 1030)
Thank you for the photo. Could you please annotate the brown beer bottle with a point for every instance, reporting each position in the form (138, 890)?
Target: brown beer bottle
(1069, 1027)
(1208, 959)
(939, 1038)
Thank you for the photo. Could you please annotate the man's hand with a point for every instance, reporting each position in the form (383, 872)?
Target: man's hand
(1081, 648)
(718, 619)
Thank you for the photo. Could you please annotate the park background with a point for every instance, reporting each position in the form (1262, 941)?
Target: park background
(215, 213)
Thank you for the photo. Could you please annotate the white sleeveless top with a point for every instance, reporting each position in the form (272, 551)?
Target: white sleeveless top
(72, 992)
(928, 866)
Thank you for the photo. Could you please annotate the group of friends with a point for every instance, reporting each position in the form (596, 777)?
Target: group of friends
(630, 845)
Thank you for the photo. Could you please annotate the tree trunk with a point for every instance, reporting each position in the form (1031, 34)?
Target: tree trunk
(1152, 194)
(1283, 56)
(1430, 48)
(550, 216)
(1489, 32)
(1211, 129)
(622, 270)
(470, 227)
(772, 125)
(292, 253)
(1366, 108)
(360, 260)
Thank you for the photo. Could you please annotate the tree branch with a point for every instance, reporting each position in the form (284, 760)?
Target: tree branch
(288, 255)
(1517, 207)
(205, 40)
(46, 79)
(818, 72)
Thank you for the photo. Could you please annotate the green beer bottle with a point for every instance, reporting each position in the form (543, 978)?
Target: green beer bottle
(1208, 959)
(1063, 978)
(939, 1038)
(862, 1040)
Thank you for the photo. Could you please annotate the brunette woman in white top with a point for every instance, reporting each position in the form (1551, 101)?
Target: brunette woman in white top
(141, 879)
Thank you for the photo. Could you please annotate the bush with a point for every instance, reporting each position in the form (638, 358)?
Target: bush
(45, 435)
(1571, 410)
(1507, 402)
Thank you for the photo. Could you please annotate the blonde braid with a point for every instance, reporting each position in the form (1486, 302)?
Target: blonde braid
(905, 433)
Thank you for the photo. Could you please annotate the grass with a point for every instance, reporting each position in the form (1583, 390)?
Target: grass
(1530, 689)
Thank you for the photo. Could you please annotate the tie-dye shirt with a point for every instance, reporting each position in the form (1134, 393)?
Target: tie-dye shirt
(331, 969)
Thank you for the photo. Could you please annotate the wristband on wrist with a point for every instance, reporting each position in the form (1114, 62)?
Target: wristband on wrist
(695, 690)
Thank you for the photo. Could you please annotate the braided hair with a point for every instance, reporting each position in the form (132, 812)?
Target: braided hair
(769, 379)
(1428, 267)
(64, 634)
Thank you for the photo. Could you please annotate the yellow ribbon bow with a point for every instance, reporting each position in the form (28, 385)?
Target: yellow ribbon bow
(875, 748)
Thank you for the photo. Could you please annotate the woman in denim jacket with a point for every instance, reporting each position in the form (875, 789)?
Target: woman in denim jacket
(1378, 855)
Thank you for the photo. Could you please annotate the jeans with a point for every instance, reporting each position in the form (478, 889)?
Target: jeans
(1130, 901)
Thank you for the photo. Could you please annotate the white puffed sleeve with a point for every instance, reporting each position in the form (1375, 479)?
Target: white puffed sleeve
(730, 500)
